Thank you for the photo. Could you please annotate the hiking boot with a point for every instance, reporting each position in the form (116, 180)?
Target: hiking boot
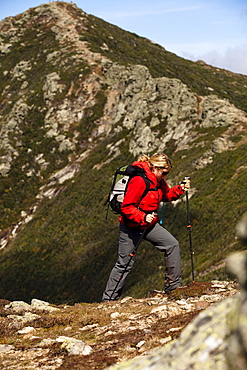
(157, 293)
(184, 292)
(168, 290)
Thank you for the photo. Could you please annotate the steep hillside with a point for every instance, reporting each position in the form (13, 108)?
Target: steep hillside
(79, 97)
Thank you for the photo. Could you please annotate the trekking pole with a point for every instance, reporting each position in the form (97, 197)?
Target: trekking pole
(189, 227)
(132, 254)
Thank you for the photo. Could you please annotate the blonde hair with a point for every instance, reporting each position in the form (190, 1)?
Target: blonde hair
(157, 160)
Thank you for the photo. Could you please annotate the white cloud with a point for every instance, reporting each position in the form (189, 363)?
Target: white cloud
(233, 58)
(144, 12)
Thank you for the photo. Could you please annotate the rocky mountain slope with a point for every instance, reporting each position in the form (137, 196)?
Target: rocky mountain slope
(79, 97)
(95, 336)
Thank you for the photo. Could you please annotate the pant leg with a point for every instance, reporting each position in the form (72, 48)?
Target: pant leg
(165, 242)
(128, 239)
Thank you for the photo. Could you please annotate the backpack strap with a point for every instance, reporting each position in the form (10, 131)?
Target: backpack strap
(141, 173)
(147, 182)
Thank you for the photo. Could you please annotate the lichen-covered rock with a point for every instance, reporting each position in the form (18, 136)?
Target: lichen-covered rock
(241, 229)
(202, 345)
(42, 305)
(74, 346)
(18, 306)
(6, 348)
(237, 346)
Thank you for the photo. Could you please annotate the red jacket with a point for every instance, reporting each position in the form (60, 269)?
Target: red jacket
(134, 207)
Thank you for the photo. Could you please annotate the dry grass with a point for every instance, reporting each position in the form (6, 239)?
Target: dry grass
(116, 331)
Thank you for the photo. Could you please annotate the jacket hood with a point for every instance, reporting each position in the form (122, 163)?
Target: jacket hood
(145, 166)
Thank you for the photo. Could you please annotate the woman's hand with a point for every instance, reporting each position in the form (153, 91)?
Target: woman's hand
(185, 184)
(149, 217)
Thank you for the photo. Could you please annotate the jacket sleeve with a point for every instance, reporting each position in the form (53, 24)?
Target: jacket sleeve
(171, 193)
(135, 190)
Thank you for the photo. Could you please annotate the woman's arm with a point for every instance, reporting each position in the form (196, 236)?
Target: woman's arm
(173, 193)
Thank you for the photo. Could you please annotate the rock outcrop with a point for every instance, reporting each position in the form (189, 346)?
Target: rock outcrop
(157, 110)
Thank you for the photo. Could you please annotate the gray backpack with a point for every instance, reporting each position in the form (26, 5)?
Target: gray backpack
(119, 186)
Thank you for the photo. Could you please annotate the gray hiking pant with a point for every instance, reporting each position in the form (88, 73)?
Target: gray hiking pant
(129, 237)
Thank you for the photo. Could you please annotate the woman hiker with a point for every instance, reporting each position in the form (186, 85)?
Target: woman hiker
(138, 216)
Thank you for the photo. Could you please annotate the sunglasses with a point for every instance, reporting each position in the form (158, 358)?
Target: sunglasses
(164, 173)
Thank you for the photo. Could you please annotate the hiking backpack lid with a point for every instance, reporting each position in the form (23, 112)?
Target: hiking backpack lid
(119, 186)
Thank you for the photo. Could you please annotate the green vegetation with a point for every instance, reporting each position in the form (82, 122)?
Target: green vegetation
(91, 115)
(19, 189)
(69, 247)
(66, 252)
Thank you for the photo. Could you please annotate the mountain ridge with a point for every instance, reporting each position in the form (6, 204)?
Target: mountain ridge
(71, 112)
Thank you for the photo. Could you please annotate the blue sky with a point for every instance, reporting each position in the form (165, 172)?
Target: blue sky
(212, 30)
